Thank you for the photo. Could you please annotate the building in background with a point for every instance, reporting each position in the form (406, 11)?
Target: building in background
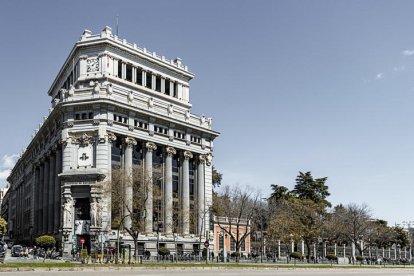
(224, 245)
(115, 106)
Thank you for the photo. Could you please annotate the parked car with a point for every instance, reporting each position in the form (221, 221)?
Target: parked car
(16, 250)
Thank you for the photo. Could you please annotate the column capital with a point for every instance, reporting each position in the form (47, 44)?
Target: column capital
(170, 151)
(187, 155)
(202, 158)
(111, 136)
(130, 142)
(150, 146)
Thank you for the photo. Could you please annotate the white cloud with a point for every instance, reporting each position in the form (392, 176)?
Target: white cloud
(7, 164)
(408, 52)
(379, 76)
(4, 174)
(9, 161)
(398, 68)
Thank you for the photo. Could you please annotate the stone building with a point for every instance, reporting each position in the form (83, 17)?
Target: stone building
(115, 105)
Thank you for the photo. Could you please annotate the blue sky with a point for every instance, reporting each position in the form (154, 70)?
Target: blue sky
(320, 86)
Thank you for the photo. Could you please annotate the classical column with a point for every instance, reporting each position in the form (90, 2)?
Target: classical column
(39, 210)
(168, 191)
(57, 199)
(148, 183)
(35, 199)
(51, 194)
(45, 196)
(200, 194)
(186, 193)
(129, 144)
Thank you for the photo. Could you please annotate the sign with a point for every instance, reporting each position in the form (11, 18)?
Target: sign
(82, 240)
(206, 243)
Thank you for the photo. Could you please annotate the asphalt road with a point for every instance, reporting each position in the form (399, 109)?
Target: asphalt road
(222, 272)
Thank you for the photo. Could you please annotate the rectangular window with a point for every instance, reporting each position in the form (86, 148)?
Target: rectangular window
(149, 80)
(90, 115)
(119, 69)
(175, 90)
(128, 76)
(158, 84)
(140, 124)
(167, 87)
(139, 76)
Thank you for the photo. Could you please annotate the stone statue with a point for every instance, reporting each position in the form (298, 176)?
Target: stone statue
(67, 212)
(94, 211)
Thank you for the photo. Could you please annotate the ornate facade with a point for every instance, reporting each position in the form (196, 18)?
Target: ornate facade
(115, 106)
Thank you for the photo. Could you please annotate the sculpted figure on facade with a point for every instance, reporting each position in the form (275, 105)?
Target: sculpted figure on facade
(67, 212)
(96, 212)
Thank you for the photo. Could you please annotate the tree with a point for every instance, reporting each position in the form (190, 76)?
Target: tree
(131, 215)
(237, 206)
(279, 193)
(46, 242)
(217, 177)
(312, 189)
(3, 227)
(355, 224)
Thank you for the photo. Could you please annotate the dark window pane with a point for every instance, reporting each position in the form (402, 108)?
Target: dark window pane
(149, 80)
(139, 76)
(128, 76)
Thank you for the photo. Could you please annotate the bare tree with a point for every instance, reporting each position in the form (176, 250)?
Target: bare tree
(129, 210)
(355, 225)
(237, 206)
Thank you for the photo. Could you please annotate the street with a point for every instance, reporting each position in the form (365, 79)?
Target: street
(218, 272)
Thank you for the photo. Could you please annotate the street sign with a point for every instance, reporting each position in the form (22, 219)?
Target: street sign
(206, 243)
(82, 240)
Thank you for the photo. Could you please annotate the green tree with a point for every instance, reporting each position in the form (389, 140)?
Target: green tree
(401, 237)
(279, 193)
(46, 242)
(313, 189)
(217, 177)
(3, 227)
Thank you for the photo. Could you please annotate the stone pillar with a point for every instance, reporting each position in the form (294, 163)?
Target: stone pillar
(186, 193)
(278, 249)
(57, 199)
(335, 249)
(51, 193)
(35, 198)
(129, 144)
(39, 210)
(168, 191)
(200, 195)
(148, 183)
(302, 247)
(45, 196)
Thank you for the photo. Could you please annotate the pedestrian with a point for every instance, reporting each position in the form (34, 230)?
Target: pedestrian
(34, 252)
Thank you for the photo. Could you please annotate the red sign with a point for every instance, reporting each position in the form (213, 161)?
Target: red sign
(82, 240)
(206, 243)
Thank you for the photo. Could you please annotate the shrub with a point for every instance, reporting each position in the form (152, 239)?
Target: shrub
(46, 241)
(296, 255)
(359, 258)
(163, 251)
(331, 257)
(235, 254)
